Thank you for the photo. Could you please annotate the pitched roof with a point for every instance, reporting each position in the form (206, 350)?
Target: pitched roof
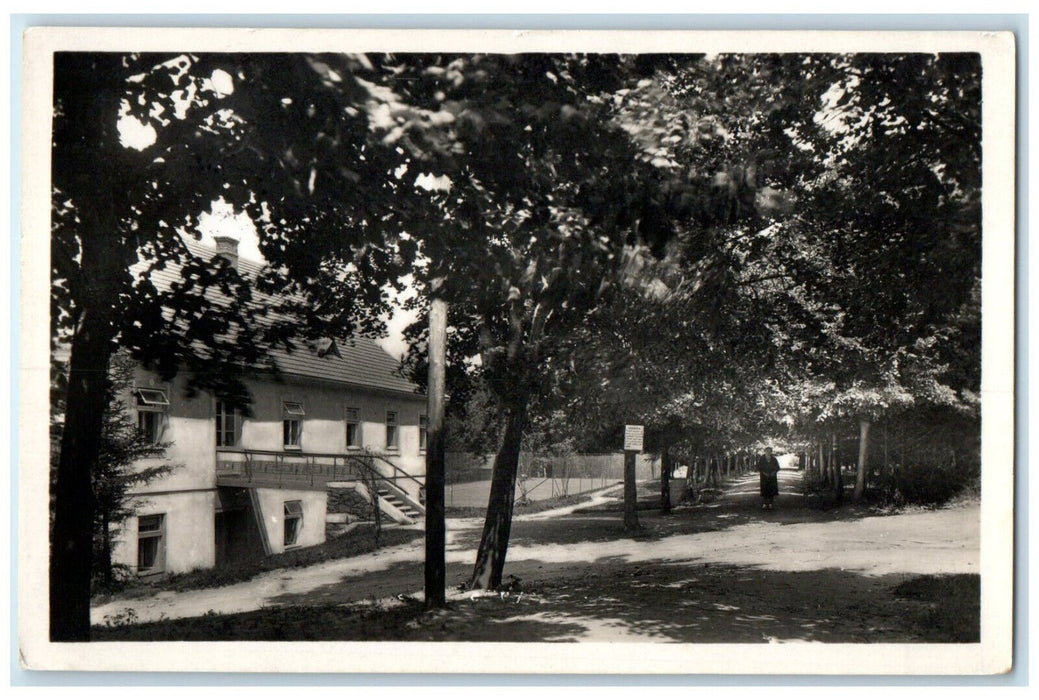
(359, 362)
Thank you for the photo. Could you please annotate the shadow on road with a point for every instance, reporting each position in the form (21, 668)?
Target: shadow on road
(609, 600)
(566, 590)
(734, 502)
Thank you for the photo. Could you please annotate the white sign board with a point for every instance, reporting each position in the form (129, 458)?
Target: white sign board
(633, 438)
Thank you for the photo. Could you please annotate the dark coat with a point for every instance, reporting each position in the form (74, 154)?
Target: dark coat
(768, 467)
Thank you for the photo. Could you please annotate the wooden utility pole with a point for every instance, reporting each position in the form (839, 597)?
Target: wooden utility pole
(435, 569)
(631, 514)
(633, 435)
(860, 475)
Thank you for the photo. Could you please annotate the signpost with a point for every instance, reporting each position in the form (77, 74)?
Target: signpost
(633, 435)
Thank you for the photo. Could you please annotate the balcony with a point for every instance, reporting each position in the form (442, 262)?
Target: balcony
(244, 468)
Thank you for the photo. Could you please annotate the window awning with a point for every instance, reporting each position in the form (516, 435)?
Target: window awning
(293, 408)
(152, 397)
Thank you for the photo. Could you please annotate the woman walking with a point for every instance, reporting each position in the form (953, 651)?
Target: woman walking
(768, 468)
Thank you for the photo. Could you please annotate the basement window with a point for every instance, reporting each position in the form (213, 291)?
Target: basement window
(151, 544)
(293, 522)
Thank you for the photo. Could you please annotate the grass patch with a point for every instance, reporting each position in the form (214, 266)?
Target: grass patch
(950, 606)
(351, 544)
(521, 508)
(618, 507)
(647, 497)
(485, 620)
(291, 623)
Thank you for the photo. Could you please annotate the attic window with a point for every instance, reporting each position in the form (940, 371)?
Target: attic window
(327, 346)
(152, 397)
(293, 408)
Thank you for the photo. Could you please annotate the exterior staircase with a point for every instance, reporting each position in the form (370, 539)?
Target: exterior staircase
(409, 509)
(352, 502)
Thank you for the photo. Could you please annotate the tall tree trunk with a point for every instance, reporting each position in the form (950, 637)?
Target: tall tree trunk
(494, 542)
(862, 467)
(107, 255)
(835, 466)
(824, 474)
(665, 478)
(631, 514)
(831, 470)
(887, 459)
(73, 491)
(435, 567)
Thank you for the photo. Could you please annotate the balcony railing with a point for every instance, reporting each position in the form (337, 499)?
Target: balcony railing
(271, 468)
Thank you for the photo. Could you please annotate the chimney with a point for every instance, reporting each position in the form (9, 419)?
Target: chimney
(227, 248)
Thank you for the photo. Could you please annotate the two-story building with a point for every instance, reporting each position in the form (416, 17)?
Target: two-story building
(246, 487)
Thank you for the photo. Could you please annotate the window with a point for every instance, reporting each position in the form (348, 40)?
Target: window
(327, 346)
(152, 405)
(228, 422)
(293, 522)
(353, 428)
(423, 432)
(392, 433)
(292, 424)
(151, 549)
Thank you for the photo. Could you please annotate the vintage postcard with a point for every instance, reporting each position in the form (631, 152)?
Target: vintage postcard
(517, 351)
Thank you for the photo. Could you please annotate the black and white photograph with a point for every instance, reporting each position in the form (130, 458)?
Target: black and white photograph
(580, 352)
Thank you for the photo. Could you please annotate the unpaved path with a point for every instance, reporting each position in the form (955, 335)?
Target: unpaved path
(690, 575)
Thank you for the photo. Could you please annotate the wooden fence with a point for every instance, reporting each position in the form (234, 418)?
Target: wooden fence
(462, 467)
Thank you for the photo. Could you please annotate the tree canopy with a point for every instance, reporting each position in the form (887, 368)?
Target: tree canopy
(720, 245)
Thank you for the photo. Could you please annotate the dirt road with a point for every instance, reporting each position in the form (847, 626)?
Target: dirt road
(721, 571)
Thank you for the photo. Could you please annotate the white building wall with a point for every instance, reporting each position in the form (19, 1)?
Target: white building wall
(272, 506)
(188, 497)
(324, 427)
(189, 537)
(190, 428)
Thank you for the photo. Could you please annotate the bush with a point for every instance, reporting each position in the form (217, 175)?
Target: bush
(924, 484)
(122, 577)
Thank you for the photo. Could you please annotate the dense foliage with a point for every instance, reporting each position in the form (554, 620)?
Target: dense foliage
(729, 249)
